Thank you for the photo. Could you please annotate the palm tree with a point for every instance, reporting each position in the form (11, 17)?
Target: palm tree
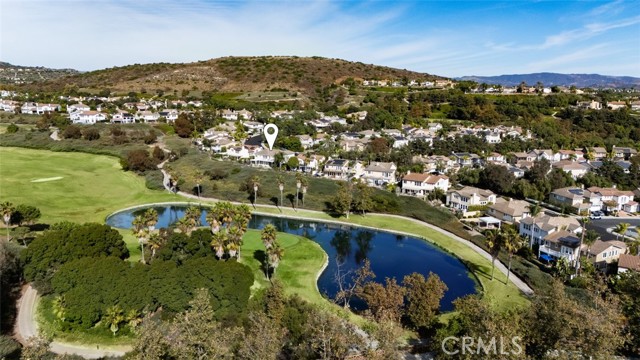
(274, 255)
(150, 218)
(268, 235)
(58, 307)
(7, 209)
(114, 317)
(212, 219)
(133, 318)
(155, 242)
(235, 235)
(621, 229)
(635, 244)
(184, 226)
(218, 242)
(493, 242)
(141, 232)
(305, 187)
(534, 210)
(280, 180)
(255, 183)
(192, 214)
(512, 243)
(298, 185)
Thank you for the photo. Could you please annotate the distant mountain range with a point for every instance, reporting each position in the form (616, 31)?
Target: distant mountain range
(552, 79)
(16, 74)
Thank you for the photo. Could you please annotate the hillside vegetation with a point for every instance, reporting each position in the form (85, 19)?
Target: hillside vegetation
(230, 74)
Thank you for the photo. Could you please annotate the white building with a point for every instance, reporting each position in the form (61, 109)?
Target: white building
(417, 184)
(87, 117)
(380, 173)
(469, 197)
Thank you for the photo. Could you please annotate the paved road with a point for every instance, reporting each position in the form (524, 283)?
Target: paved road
(601, 226)
(27, 327)
(519, 283)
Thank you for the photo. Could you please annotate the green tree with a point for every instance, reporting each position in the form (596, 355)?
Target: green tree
(263, 339)
(293, 163)
(423, 299)
(268, 236)
(385, 302)
(113, 317)
(363, 200)
(274, 256)
(239, 133)
(621, 230)
(342, 202)
(25, 214)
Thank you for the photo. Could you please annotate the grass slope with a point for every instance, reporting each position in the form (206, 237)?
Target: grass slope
(91, 188)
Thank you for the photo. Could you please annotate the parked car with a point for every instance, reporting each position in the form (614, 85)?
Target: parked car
(596, 215)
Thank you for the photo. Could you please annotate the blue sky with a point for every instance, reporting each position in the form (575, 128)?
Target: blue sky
(449, 38)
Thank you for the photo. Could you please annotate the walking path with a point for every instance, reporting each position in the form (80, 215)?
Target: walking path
(27, 327)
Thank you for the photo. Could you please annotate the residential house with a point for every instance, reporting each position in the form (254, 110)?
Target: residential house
(466, 159)
(170, 115)
(47, 108)
(615, 105)
(537, 228)
(571, 197)
(593, 105)
(400, 141)
(523, 156)
(573, 168)
(614, 199)
(511, 211)
(496, 158)
(148, 116)
(469, 199)
(253, 126)
(380, 173)
(237, 152)
(353, 145)
(28, 108)
(599, 153)
(77, 107)
(561, 244)
(122, 117)
(628, 262)
(418, 184)
(267, 158)
(342, 169)
(309, 164)
(603, 253)
(492, 137)
(8, 105)
(87, 117)
(624, 153)
(306, 141)
(635, 105)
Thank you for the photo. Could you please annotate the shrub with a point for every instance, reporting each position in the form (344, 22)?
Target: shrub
(154, 180)
(216, 174)
(12, 128)
(138, 160)
(150, 138)
(72, 132)
(91, 134)
(158, 153)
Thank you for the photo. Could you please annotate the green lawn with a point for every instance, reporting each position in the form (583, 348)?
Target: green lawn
(72, 186)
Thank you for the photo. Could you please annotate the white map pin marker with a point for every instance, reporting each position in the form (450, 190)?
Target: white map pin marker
(271, 137)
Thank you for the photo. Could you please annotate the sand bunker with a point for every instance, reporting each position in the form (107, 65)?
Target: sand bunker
(47, 179)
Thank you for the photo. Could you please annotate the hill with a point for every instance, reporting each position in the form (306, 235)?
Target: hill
(15, 74)
(551, 79)
(232, 74)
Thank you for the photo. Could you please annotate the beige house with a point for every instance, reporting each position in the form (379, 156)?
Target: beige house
(469, 197)
(511, 211)
(603, 253)
(418, 184)
(380, 173)
(628, 263)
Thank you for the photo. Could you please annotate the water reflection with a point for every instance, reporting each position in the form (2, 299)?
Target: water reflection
(390, 255)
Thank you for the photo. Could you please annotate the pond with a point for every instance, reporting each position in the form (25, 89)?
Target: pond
(390, 255)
